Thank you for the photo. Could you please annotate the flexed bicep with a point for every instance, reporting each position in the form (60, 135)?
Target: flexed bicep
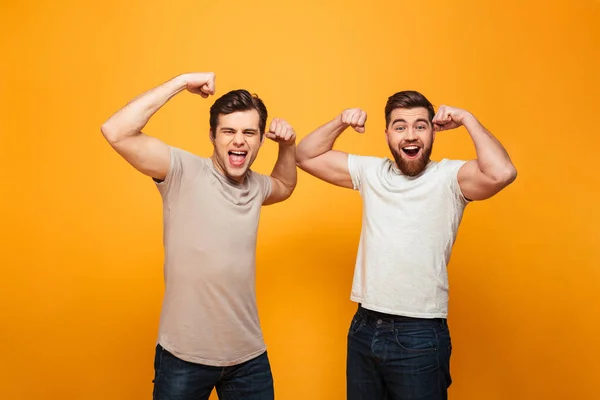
(147, 154)
(331, 167)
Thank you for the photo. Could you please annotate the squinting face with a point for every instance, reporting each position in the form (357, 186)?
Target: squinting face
(410, 138)
(236, 143)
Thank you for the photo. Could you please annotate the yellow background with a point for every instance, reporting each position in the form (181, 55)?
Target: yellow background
(81, 257)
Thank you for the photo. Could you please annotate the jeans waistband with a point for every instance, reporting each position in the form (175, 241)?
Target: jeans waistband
(383, 318)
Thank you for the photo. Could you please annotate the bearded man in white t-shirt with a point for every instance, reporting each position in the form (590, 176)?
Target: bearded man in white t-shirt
(399, 343)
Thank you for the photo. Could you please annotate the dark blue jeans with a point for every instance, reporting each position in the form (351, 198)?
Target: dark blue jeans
(400, 358)
(176, 379)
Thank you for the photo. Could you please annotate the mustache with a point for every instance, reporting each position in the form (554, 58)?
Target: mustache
(415, 142)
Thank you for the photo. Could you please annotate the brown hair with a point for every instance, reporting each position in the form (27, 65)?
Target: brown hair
(407, 99)
(238, 100)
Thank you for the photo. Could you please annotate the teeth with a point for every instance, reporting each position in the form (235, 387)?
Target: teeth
(239, 153)
(411, 148)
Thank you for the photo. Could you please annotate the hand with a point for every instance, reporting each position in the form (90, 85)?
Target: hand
(448, 118)
(356, 118)
(281, 132)
(202, 83)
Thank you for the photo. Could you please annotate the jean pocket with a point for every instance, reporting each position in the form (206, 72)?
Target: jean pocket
(357, 323)
(417, 341)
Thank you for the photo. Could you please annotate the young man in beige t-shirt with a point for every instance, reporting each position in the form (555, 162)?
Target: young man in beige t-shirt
(209, 335)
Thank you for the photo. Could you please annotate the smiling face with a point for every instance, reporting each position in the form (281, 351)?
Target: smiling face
(410, 139)
(237, 126)
(236, 143)
(409, 131)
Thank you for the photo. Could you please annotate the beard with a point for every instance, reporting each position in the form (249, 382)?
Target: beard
(414, 166)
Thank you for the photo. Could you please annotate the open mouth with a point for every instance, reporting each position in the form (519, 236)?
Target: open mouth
(237, 158)
(411, 151)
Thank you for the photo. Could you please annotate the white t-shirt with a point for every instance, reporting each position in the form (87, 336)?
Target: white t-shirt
(408, 229)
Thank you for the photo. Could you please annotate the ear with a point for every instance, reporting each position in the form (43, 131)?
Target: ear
(210, 136)
(262, 139)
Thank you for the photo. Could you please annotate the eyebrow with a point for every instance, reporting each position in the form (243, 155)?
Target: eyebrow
(403, 120)
(225, 128)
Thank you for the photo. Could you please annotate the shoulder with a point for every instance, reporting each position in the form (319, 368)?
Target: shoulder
(187, 163)
(449, 173)
(447, 163)
(187, 157)
(256, 178)
(449, 167)
(366, 161)
(363, 169)
(259, 183)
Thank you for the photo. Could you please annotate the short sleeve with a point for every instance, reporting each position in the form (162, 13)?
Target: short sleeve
(182, 165)
(265, 185)
(358, 167)
(451, 168)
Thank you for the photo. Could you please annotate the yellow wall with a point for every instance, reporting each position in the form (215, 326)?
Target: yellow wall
(81, 256)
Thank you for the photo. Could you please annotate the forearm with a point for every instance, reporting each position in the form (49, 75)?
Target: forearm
(131, 119)
(285, 166)
(492, 159)
(320, 141)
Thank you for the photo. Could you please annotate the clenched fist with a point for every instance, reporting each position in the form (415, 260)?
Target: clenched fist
(448, 118)
(281, 132)
(356, 118)
(202, 83)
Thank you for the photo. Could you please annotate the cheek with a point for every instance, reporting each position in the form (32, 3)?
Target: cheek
(254, 142)
(221, 143)
(394, 139)
(427, 139)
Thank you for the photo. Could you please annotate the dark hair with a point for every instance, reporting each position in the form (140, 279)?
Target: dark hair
(407, 99)
(238, 100)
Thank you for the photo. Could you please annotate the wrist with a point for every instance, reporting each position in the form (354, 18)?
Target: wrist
(180, 82)
(287, 145)
(468, 119)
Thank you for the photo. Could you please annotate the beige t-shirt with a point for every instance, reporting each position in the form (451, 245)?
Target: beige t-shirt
(209, 313)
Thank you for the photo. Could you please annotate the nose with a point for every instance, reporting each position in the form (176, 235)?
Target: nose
(238, 139)
(410, 134)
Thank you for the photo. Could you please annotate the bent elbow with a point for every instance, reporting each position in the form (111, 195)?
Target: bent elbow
(109, 133)
(301, 155)
(302, 162)
(505, 177)
(289, 191)
(510, 175)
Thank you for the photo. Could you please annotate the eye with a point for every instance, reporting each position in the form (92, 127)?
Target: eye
(421, 127)
(249, 133)
(399, 128)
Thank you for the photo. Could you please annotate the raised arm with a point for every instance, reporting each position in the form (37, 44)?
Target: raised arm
(315, 154)
(123, 130)
(284, 175)
(492, 170)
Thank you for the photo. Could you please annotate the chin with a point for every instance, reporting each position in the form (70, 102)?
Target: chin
(236, 172)
(412, 167)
